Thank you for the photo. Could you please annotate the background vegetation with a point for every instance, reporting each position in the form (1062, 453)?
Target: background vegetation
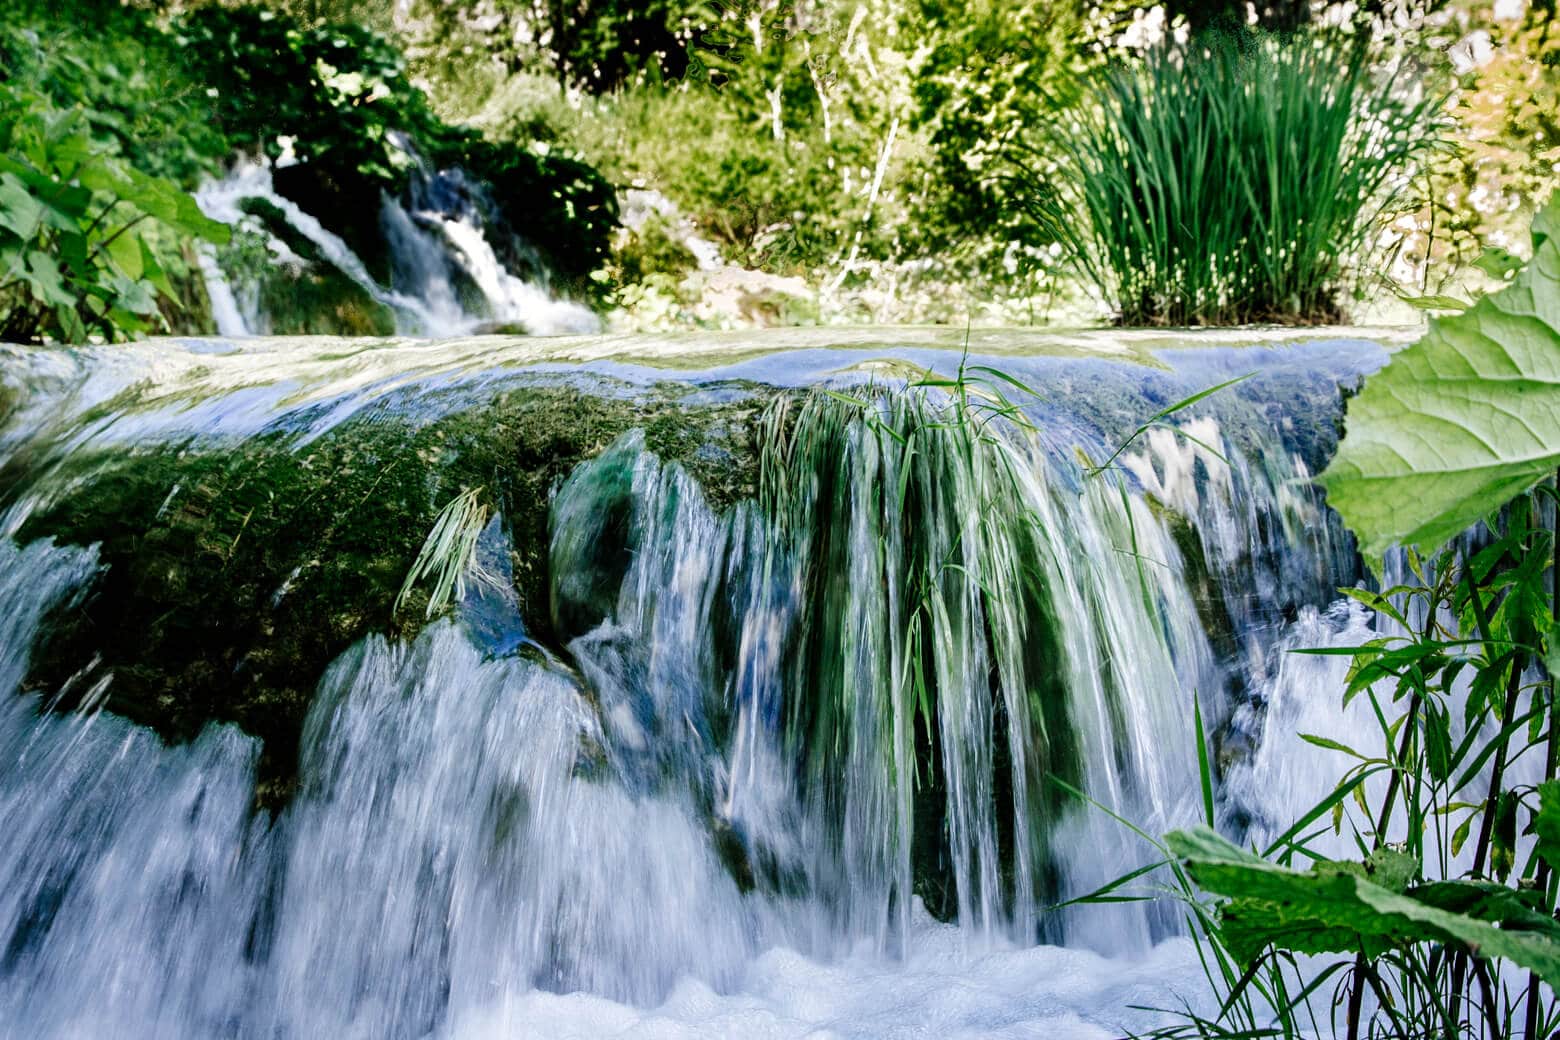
(716, 162)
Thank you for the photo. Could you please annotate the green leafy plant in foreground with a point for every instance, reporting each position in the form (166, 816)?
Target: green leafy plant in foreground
(1445, 923)
(78, 229)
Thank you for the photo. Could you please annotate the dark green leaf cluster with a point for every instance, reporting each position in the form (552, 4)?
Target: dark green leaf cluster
(152, 99)
(131, 81)
(1372, 907)
(332, 95)
(79, 228)
(1457, 858)
(987, 66)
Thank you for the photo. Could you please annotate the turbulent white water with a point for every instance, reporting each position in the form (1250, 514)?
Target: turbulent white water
(699, 817)
(424, 301)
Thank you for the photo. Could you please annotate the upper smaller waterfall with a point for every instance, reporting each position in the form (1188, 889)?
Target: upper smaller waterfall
(438, 244)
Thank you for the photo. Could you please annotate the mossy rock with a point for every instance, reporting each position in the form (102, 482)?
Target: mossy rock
(320, 301)
(235, 572)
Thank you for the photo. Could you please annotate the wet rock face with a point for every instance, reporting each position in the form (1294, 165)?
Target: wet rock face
(235, 572)
(590, 546)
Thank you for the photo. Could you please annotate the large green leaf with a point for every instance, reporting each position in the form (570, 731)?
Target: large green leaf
(1462, 421)
(46, 281)
(1547, 824)
(19, 211)
(125, 250)
(1371, 907)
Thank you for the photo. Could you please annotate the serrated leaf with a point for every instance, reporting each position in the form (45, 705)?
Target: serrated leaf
(1392, 869)
(1462, 421)
(1488, 901)
(1537, 952)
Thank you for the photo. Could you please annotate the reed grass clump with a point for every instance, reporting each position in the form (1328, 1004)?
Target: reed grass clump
(1233, 182)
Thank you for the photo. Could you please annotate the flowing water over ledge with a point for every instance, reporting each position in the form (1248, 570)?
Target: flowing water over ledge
(744, 729)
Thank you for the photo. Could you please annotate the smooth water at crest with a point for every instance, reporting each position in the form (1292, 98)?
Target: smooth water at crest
(700, 816)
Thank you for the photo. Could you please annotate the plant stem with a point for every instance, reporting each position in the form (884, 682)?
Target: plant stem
(1487, 821)
(1481, 972)
(1357, 992)
(1498, 767)
(1551, 755)
(1497, 771)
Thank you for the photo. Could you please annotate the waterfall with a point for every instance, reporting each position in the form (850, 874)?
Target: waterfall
(424, 301)
(231, 318)
(773, 761)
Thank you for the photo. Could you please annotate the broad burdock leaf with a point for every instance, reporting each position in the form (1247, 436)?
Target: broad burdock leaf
(1461, 422)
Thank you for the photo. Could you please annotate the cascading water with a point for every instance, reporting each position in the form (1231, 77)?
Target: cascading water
(445, 226)
(754, 743)
(423, 300)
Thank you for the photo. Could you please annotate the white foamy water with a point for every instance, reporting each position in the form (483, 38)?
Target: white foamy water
(425, 260)
(443, 874)
(939, 990)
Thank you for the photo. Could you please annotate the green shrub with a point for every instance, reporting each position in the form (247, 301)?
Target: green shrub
(131, 80)
(1232, 183)
(77, 229)
(983, 65)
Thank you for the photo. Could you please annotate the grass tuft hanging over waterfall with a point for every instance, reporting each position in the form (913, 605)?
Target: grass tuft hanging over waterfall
(953, 638)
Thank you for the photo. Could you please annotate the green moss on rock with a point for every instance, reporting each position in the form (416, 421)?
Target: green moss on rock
(319, 300)
(236, 571)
